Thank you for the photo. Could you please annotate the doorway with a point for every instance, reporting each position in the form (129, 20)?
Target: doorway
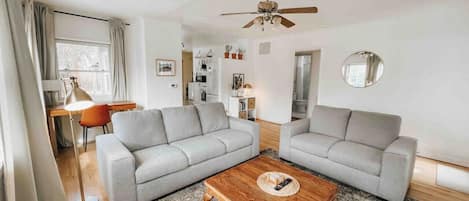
(187, 69)
(305, 83)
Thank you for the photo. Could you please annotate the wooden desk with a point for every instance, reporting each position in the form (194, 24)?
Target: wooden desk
(59, 111)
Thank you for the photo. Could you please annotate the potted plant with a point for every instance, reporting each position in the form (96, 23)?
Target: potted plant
(233, 55)
(240, 53)
(227, 51)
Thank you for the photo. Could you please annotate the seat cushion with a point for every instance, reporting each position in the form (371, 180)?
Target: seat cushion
(233, 139)
(329, 121)
(358, 156)
(313, 143)
(212, 117)
(139, 129)
(373, 129)
(181, 122)
(200, 148)
(157, 161)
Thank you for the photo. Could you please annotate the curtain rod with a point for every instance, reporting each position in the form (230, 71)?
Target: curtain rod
(84, 16)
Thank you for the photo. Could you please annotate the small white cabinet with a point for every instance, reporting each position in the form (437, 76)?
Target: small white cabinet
(243, 107)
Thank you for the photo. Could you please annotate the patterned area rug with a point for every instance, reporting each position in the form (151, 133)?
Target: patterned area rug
(346, 193)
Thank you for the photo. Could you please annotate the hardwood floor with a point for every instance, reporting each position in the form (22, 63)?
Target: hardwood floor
(423, 185)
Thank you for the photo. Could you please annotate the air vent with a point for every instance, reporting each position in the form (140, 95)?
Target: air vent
(264, 48)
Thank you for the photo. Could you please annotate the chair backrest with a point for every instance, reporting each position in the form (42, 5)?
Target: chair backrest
(97, 115)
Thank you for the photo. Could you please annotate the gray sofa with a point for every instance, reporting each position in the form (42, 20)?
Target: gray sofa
(362, 149)
(155, 152)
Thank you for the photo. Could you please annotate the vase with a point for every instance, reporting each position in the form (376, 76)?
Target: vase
(227, 55)
(233, 55)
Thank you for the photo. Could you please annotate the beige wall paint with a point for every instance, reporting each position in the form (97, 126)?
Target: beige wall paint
(187, 64)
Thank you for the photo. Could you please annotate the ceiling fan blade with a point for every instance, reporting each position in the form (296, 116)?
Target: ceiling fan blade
(298, 10)
(249, 24)
(239, 13)
(287, 23)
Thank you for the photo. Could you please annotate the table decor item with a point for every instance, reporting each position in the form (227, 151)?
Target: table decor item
(270, 180)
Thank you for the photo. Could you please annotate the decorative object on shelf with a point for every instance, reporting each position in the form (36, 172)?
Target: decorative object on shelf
(240, 53)
(233, 55)
(267, 182)
(362, 69)
(268, 12)
(76, 100)
(210, 53)
(247, 89)
(165, 67)
(199, 54)
(228, 49)
(238, 83)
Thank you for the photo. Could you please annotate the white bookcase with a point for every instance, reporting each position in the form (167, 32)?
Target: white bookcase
(243, 107)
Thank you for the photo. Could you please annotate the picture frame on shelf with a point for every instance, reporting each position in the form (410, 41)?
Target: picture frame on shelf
(165, 67)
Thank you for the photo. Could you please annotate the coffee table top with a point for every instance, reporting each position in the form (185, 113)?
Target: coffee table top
(239, 183)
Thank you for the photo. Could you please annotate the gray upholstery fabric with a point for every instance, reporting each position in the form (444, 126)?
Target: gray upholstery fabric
(249, 127)
(233, 139)
(329, 121)
(117, 168)
(358, 156)
(212, 117)
(139, 129)
(345, 174)
(157, 161)
(156, 188)
(200, 148)
(397, 170)
(181, 122)
(313, 143)
(373, 129)
(289, 130)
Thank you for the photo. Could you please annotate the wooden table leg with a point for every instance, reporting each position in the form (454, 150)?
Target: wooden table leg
(52, 135)
(207, 196)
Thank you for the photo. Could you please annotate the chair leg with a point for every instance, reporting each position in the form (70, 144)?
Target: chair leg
(86, 138)
(104, 130)
(107, 128)
(84, 135)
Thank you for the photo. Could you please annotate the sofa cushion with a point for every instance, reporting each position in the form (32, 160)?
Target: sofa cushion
(139, 129)
(212, 117)
(233, 139)
(181, 122)
(358, 156)
(200, 148)
(373, 129)
(157, 161)
(329, 121)
(313, 143)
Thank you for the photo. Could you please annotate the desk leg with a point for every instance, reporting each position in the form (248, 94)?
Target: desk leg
(52, 135)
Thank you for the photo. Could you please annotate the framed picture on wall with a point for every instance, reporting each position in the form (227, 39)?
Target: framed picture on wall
(165, 67)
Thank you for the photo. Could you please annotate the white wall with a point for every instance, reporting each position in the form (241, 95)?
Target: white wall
(149, 39)
(425, 80)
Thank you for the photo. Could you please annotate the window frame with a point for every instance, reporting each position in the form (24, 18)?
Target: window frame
(88, 43)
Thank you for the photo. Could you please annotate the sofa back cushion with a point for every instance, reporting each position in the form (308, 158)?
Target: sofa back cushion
(329, 121)
(212, 117)
(373, 129)
(139, 129)
(181, 122)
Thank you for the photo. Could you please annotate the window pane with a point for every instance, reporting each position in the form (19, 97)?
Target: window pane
(89, 63)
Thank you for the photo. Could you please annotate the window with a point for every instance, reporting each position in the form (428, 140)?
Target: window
(89, 62)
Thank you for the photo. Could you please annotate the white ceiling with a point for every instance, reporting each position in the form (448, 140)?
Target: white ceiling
(204, 15)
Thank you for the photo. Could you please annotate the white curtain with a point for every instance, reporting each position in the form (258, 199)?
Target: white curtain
(118, 68)
(30, 167)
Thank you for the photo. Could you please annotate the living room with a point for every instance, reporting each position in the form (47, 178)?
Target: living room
(234, 100)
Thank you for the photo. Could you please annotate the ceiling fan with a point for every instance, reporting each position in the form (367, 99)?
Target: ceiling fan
(268, 12)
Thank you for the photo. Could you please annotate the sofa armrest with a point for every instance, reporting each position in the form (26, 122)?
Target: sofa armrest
(287, 131)
(249, 127)
(397, 168)
(117, 168)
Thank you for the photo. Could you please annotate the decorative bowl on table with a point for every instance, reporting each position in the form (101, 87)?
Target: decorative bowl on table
(269, 180)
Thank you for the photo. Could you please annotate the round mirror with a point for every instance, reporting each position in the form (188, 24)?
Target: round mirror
(362, 69)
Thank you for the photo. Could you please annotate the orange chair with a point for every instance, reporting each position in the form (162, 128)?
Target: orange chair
(95, 116)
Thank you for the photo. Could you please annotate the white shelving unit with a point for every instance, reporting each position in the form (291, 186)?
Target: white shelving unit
(243, 107)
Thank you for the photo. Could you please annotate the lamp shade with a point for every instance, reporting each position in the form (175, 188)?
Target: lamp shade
(77, 99)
